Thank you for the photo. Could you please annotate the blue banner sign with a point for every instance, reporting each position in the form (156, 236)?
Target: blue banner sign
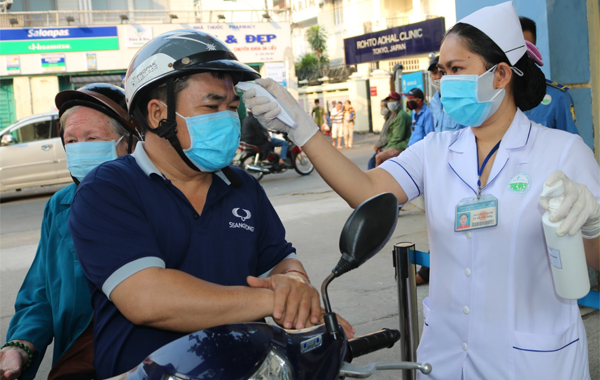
(57, 33)
(420, 38)
(412, 80)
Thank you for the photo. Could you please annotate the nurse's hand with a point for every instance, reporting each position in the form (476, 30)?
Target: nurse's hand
(266, 111)
(579, 208)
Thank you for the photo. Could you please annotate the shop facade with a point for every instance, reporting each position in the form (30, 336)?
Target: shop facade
(37, 63)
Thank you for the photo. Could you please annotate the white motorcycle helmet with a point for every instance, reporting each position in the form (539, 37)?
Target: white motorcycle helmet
(174, 54)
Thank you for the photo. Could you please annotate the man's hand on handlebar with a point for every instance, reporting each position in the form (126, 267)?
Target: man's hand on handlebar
(296, 301)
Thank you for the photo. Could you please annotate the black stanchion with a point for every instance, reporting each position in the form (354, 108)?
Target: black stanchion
(407, 305)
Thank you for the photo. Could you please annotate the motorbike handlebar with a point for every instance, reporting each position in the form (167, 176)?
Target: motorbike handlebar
(366, 344)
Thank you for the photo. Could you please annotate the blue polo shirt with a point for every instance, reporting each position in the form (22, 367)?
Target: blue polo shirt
(422, 124)
(126, 216)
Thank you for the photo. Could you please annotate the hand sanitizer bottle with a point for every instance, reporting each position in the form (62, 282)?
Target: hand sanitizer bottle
(566, 253)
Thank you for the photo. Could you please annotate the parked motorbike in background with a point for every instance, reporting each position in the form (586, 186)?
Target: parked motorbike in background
(260, 351)
(248, 157)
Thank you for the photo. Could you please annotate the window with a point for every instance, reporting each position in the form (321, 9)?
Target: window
(338, 15)
(37, 131)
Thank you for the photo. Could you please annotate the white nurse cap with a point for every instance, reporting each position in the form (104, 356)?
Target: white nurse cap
(501, 24)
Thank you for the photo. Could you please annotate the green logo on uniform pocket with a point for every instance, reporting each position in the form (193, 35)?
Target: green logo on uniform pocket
(520, 183)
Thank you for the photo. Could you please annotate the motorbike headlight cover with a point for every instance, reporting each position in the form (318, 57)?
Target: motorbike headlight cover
(275, 366)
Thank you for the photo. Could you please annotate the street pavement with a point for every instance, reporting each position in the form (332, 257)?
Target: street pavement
(313, 216)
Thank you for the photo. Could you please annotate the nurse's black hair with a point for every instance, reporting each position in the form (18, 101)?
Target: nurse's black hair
(529, 89)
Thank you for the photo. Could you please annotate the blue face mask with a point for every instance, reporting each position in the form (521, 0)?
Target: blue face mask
(82, 157)
(470, 99)
(214, 138)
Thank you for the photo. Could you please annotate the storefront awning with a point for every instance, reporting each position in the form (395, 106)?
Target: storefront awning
(110, 79)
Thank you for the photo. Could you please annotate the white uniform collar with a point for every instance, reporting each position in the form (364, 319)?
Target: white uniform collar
(515, 137)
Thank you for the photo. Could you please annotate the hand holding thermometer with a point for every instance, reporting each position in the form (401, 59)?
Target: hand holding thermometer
(261, 91)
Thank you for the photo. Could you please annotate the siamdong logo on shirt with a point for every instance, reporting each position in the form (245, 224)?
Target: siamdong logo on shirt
(244, 215)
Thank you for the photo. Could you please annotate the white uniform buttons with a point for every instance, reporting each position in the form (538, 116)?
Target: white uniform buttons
(468, 234)
(467, 272)
(465, 310)
(464, 347)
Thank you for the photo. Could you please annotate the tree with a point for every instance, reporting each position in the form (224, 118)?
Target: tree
(309, 66)
(317, 38)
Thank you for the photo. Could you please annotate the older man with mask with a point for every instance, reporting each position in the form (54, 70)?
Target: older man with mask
(398, 132)
(54, 300)
(171, 238)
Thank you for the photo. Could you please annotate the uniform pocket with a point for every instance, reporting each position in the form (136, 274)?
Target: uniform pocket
(541, 356)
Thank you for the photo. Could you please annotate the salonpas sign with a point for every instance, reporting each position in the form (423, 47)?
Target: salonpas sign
(58, 40)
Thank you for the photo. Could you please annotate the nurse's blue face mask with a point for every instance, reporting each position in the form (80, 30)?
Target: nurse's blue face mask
(214, 139)
(82, 157)
(471, 99)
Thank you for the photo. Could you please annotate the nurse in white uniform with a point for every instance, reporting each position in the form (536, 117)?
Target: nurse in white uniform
(488, 315)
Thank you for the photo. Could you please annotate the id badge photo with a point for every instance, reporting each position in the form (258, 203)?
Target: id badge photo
(473, 213)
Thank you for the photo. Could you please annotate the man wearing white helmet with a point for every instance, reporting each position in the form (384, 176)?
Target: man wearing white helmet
(171, 238)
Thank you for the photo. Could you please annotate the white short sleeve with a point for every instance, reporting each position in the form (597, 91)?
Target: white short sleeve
(408, 169)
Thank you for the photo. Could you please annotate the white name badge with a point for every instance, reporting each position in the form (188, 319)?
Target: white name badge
(473, 213)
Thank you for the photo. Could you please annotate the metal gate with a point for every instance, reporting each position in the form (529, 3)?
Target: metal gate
(7, 103)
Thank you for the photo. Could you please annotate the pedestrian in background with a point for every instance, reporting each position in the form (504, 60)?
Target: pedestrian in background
(382, 142)
(422, 120)
(318, 114)
(398, 133)
(556, 109)
(441, 120)
(337, 125)
(349, 116)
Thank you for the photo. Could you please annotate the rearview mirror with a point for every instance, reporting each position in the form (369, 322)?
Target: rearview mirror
(7, 139)
(366, 231)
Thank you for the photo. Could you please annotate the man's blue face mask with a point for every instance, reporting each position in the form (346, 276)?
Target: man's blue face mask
(82, 157)
(470, 99)
(214, 139)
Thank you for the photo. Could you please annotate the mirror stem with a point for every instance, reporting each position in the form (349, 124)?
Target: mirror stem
(331, 322)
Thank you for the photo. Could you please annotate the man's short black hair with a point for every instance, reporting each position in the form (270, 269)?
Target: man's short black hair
(316, 101)
(528, 24)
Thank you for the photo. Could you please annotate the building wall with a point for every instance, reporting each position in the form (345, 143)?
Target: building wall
(22, 93)
(44, 89)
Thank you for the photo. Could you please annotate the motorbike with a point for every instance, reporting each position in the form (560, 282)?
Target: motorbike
(260, 351)
(248, 157)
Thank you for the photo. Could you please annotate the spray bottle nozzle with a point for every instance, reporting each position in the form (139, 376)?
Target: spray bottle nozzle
(555, 193)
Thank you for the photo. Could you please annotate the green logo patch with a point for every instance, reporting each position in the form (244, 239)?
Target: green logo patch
(520, 183)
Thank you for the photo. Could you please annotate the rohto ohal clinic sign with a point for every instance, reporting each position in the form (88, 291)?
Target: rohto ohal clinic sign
(420, 38)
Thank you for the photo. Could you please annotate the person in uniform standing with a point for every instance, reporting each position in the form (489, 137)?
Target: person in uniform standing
(486, 316)
(556, 110)
(318, 112)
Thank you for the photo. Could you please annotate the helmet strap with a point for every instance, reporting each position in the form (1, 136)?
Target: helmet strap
(167, 128)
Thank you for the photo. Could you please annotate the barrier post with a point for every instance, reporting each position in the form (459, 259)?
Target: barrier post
(407, 305)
